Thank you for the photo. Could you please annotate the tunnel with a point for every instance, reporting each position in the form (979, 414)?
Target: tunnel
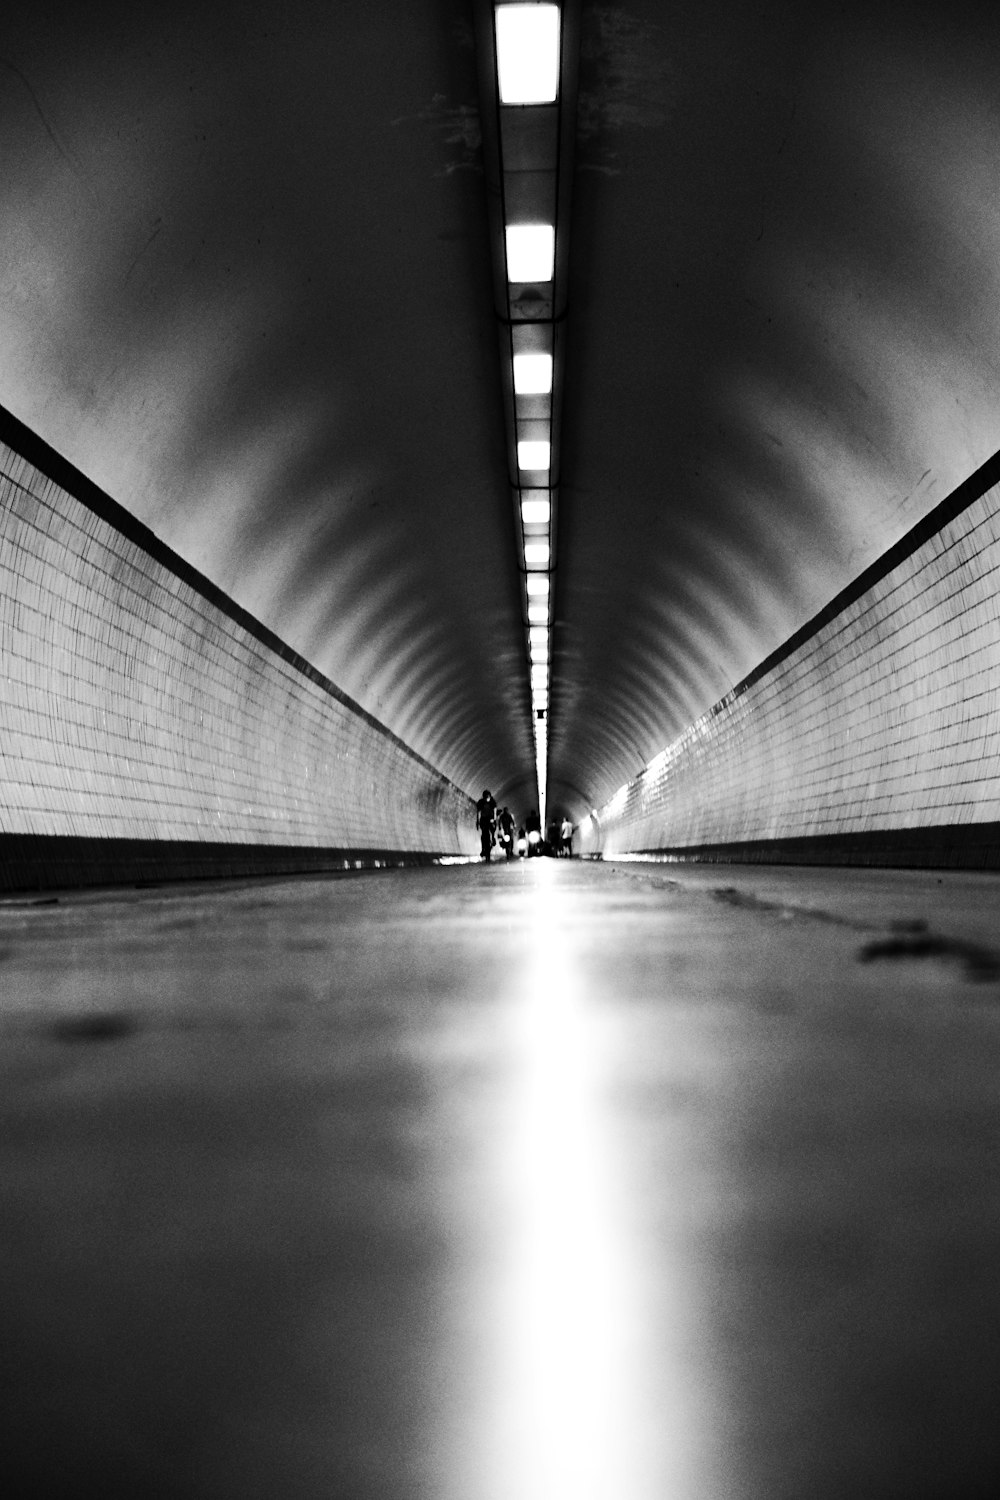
(595, 404)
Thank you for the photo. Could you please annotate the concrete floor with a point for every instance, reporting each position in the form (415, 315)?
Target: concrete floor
(555, 1181)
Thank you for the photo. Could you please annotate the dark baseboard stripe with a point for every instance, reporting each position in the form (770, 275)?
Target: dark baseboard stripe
(965, 846)
(34, 862)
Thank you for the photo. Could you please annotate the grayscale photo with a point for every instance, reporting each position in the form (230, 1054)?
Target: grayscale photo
(499, 750)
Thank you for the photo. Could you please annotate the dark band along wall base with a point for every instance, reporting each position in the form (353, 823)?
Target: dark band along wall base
(146, 718)
(32, 862)
(976, 846)
(871, 737)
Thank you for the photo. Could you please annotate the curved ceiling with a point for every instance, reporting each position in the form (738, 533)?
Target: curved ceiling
(245, 286)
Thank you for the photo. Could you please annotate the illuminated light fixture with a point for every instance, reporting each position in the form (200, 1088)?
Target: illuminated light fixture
(539, 677)
(533, 454)
(532, 374)
(534, 511)
(527, 110)
(528, 53)
(538, 636)
(531, 252)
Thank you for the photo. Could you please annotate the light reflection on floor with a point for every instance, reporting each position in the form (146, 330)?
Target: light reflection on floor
(496, 1183)
(567, 1374)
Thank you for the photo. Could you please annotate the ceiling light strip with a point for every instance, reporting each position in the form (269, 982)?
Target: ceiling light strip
(526, 139)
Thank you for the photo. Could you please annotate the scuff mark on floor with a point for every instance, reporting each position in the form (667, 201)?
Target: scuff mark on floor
(898, 940)
(976, 963)
(734, 897)
(102, 1026)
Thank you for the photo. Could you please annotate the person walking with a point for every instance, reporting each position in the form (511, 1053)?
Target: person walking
(505, 827)
(486, 813)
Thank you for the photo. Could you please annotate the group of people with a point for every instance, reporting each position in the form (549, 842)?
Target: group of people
(496, 826)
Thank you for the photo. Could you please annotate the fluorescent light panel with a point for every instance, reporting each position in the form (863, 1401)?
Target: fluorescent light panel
(531, 252)
(538, 613)
(537, 585)
(532, 374)
(536, 553)
(533, 455)
(535, 511)
(528, 53)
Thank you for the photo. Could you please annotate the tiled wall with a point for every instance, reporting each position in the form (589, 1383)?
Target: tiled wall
(878, 720)
(137, 703)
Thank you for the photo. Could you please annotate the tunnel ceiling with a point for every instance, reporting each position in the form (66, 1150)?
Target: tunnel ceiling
(246, 289)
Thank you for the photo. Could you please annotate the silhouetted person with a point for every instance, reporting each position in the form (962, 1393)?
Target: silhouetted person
(486, 813)
(533, 824)
(566, 839)
(505, 825)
